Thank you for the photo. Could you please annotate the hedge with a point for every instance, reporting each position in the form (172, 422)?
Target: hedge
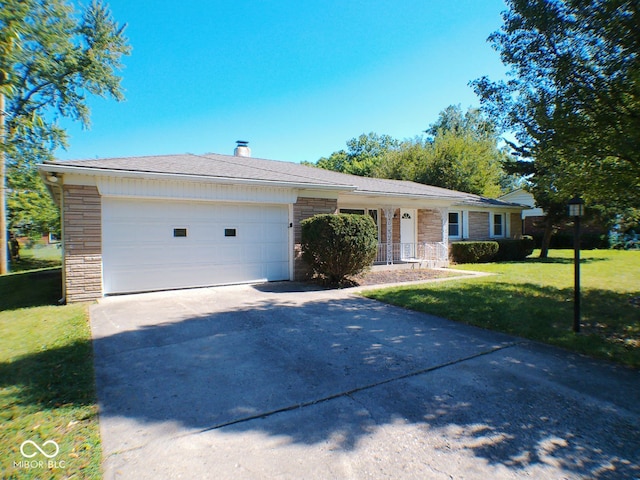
(499, 250)
(336, 246)
(510, 249)
(473, 252)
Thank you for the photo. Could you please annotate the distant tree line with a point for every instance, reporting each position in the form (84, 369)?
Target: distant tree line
(460, 151)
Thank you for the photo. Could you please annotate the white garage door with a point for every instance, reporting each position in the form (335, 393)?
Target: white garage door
(155, 245)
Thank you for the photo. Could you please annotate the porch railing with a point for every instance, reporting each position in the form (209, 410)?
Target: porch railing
(428, 255)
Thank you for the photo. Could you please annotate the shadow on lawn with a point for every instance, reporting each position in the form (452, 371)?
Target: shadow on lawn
(562, 261)
(51, 378)
(33, 263)
(30, 289)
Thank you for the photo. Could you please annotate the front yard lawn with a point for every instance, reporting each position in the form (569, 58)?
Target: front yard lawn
(40, 256)
(534, 299)
(47, 385)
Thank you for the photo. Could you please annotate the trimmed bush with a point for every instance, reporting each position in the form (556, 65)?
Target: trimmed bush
(473, 252)
(338, 246)
(510, 250)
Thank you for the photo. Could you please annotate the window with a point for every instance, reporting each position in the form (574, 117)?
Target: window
(179, 232)
(454, 224)
(229, 232)
(374, 214)
(498, 225)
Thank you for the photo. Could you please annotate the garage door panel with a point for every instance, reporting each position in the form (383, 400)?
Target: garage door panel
(272, 253)
(141, 253)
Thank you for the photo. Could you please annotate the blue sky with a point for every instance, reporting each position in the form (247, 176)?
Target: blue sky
(297, 79)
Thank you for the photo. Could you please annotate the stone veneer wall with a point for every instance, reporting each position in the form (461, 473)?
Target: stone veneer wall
(429, 226)
(478, 225)
(82, 243)
(306, 207)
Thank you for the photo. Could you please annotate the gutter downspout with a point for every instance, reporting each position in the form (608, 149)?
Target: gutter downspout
(58, 184)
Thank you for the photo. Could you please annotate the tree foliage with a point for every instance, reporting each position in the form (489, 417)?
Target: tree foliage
(51, 60)
(470, 123)
(453, 161)
(573, 97)
(460, 152)
(31, 211)
(362, 156)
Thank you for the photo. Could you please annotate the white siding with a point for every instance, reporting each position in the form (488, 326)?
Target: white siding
(185, 190)
(523, 197)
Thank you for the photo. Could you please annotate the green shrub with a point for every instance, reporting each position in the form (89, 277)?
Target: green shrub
(510, 249)
(473, 252)
(337, 246)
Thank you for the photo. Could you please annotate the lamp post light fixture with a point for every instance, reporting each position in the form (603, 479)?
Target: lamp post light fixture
(576, 210)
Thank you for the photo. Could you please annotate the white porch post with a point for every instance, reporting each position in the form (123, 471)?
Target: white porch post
(444, 219)
(388, 215)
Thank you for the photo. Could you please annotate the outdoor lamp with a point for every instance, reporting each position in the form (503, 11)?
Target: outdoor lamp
(576, 207)
(576, 210)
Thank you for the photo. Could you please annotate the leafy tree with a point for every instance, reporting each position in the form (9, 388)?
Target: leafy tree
(453, 161)
(462, 162)
(573, 98)
(472, 122)
(50, 60)
(31, 210)
(460, 153)
(362, 156)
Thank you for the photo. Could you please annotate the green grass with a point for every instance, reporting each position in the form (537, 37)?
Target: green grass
(38, 257)
(534, 299)
(47, 384)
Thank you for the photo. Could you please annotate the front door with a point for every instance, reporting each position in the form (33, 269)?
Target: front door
(408, 233)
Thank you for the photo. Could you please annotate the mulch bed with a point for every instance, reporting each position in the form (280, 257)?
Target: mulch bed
(398, 276)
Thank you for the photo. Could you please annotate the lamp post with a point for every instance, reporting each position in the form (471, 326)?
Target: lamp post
(576, 210)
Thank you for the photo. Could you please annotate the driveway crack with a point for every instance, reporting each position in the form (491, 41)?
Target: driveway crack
(345, 394)
(353, 391)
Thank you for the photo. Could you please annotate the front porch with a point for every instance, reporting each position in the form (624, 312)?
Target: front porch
(423, 254)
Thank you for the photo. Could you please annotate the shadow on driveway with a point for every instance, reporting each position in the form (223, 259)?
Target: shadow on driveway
(345, 385)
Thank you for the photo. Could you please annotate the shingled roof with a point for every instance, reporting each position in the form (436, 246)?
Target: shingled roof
(229, 167)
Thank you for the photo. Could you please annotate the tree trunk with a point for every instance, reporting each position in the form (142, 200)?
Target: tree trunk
(546, 237)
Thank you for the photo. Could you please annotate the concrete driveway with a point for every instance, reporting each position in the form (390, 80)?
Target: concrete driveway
(278, 381)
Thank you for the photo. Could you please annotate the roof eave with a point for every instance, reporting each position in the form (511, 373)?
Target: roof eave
(114, 173)
(413, 196)
(490, 204)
